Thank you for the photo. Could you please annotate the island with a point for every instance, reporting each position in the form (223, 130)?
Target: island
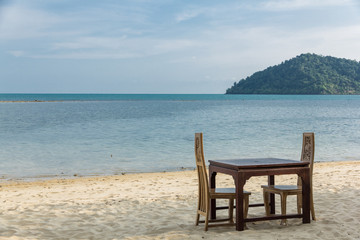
(304, 74)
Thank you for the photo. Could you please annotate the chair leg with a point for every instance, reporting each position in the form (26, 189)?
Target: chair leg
(207, 220)
(283, 208)
(197, 219)
(231, 210)
(312, 207)
(299, 203)
(246, 206)
(266, 202)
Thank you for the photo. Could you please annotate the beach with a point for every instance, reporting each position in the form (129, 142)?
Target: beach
(163, 206)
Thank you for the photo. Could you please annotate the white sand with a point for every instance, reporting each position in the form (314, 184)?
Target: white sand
(162, 206)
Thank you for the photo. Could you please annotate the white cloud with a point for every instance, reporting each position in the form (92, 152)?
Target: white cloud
(172, 45)
(116, 48)
(245, 51)
(341, 42)
(286, 5)
(87, 55)
(19, 22)
(17, 53)
(90, 43)
(213, 13)
(188, 14)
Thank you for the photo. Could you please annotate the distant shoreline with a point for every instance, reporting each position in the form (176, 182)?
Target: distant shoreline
(41, 98)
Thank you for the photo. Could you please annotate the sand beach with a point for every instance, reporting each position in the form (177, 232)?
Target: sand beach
(162, 206)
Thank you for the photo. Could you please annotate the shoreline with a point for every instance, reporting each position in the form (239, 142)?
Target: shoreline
(41, 178)
(37, 178)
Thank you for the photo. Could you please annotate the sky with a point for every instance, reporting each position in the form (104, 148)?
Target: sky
(163, 46)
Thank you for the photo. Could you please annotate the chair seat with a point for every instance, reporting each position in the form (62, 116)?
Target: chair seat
(207, 195)
(289, 188)
(307, 155)
(226, 192)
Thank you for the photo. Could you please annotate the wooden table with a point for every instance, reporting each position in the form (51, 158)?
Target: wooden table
(243, 169)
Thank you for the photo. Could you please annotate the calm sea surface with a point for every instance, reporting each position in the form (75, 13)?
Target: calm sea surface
(90, 134)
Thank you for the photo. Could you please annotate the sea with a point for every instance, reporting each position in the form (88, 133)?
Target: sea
(65, 135)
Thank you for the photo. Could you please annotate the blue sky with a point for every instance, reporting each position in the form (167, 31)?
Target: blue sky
(158, 46)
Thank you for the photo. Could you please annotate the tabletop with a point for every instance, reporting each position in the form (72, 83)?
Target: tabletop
(247, 163)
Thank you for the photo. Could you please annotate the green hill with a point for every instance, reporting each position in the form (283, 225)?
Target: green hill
(304, 74)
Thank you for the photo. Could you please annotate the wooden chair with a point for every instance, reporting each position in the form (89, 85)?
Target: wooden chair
(206, 194)
(307, 155)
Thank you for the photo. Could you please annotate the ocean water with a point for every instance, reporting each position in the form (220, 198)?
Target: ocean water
(45, 135)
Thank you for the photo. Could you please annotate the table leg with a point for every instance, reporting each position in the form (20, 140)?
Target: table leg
(306, 195)
(212, 181)
(240, 182)
(271, 181)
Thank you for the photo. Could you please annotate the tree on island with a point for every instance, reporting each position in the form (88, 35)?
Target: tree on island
(304, 74)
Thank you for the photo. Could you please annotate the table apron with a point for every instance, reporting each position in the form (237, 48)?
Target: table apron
(300, 171)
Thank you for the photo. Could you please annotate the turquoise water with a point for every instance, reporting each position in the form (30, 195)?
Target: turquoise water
(90, 134)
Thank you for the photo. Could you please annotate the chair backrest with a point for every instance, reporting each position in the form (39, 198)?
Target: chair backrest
(308, 150)
(202, 175)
